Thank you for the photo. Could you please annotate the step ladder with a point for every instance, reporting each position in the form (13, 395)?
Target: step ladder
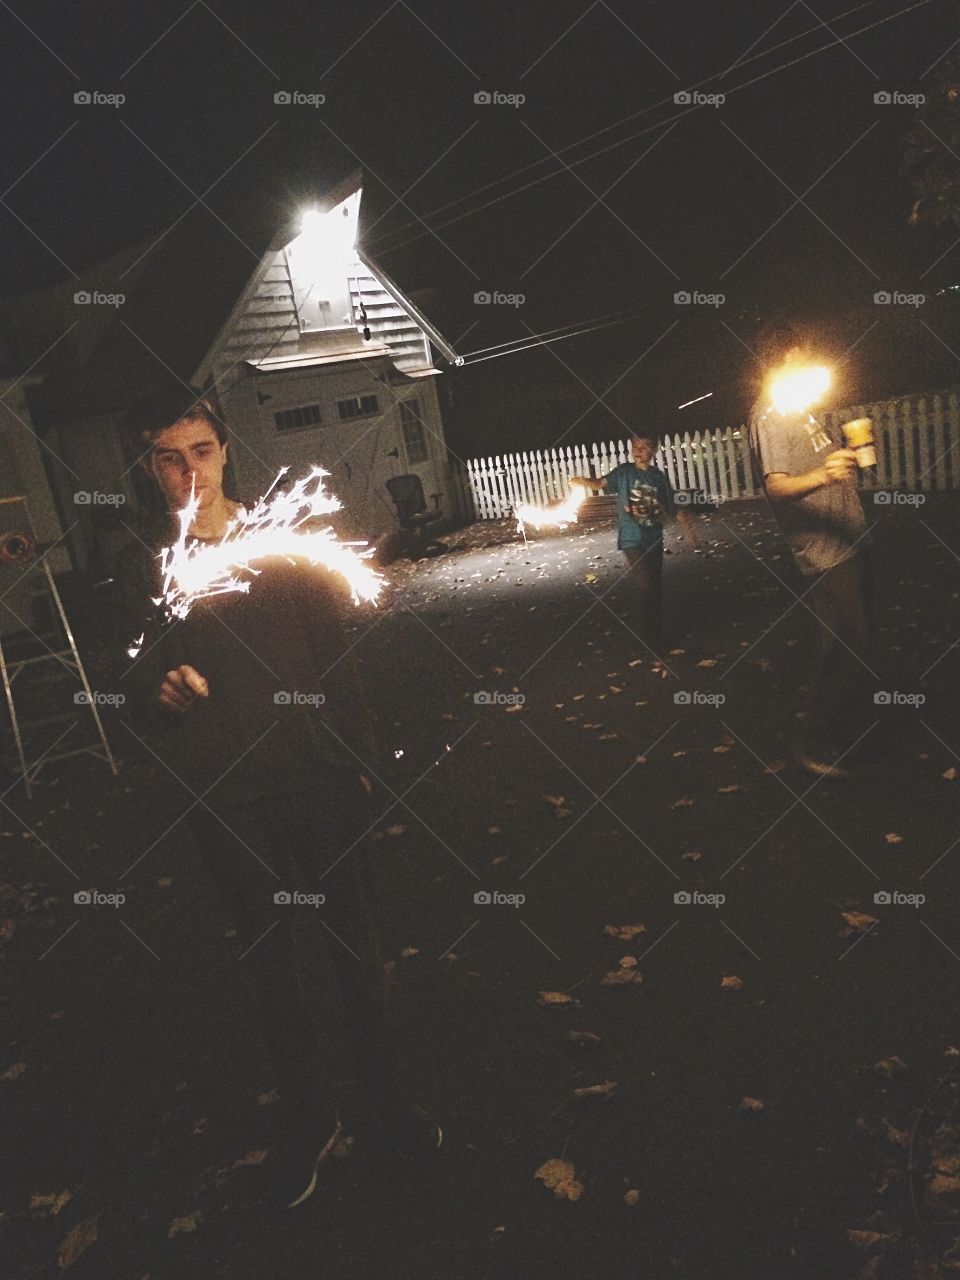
(20, 555)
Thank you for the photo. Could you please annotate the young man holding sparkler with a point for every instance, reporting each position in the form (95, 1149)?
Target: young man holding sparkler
(644, 498)
(266, 725)
(811, 486)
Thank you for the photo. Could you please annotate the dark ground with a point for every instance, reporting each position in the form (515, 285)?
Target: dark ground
(140, 1034)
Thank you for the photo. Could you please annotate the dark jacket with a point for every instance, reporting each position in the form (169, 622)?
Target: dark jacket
(285, 700)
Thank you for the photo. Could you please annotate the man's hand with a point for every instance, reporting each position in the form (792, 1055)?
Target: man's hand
(839, 466)
(181, 688)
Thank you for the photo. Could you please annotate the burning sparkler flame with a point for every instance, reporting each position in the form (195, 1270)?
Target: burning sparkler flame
(794, 389)
(273, 527)
(550, 517)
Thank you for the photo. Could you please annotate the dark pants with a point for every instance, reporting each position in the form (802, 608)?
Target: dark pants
(840, 705)
(300, 836)
(646, 578)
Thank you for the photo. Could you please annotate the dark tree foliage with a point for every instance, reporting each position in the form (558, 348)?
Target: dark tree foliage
(932, 152)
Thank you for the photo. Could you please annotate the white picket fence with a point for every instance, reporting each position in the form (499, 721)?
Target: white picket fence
(917, 449)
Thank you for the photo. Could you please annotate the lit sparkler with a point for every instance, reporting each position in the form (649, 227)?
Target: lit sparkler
(794, 389)
(558, 517)
(273, 527)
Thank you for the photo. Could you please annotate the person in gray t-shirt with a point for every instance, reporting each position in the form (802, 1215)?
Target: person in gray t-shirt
(810, 483)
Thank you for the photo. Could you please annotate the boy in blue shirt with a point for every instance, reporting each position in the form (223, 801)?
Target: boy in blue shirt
(644, 498)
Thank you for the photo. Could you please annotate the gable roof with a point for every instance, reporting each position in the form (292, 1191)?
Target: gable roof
(190, 281)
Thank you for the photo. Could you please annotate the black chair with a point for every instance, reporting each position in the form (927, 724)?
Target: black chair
(411, 504)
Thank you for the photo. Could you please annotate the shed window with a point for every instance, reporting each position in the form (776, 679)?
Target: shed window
(358, 407)
(304, 415)
(414, 432)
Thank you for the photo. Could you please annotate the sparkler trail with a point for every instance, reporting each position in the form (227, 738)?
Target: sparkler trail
(193, 570)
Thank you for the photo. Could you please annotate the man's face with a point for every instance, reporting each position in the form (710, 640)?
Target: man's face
(187, 451)
(643, 451)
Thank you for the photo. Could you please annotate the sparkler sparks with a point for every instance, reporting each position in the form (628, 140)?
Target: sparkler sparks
(794, 389)
(558, 517)
(273, 527)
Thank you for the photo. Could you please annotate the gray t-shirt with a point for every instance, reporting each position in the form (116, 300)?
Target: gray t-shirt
(826, 526)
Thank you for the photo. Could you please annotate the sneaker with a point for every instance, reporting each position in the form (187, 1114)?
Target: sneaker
(289, 1174)
(405, 1125)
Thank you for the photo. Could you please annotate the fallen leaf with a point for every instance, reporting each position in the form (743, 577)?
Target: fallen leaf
(558, 1176)
(734, 786)
(683, 803)
(624, 931)
(54, 1202)
(639, 759)
(397, 830)
(777, 766)
(548, 998)
(583, 1037)
(618, 977)
(751, 1104)
(899, 1137)
(165, 882)
(631, 1197)
(72, 1246)
(858, 921)
(891, 1067)
(180, 1226)
(407, 952)
(14, 1072)
(693, 856)
(707, 662)
(732, 983)
(950, 774)
(556, 801)
(892, 838)
(605, 1090)
(720, 750)
(869, 1240)
(252, 1157)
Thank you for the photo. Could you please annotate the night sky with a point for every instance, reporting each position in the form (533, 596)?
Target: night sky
(697, 202)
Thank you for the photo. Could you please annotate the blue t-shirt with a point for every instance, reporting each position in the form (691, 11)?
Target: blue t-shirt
(643, 495)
